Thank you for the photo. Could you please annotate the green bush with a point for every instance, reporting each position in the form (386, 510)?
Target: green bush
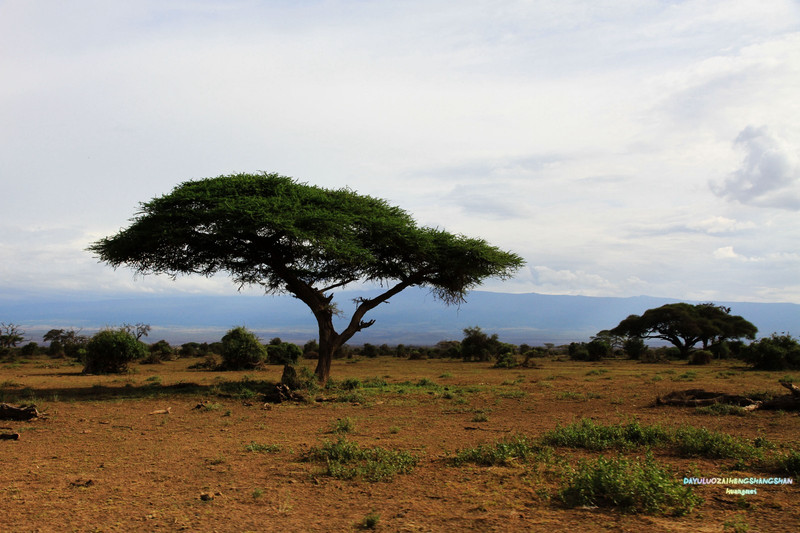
(629, 485)
(159, 352)
(721, 350)
(701, 357)
(597, 349)
(190, 349)
(578, 351)
(789, 463)
(284, 353)
(635, 347)
(241, 350)
(111, 350)
(505, 360)
(29, 349)
(478, 346)
(777, 352)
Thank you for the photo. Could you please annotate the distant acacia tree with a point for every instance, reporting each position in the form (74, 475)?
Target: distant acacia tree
(287, 237)
(138, 330)
(65, 342)
(10, 336)
(684, 325)
(479, 346)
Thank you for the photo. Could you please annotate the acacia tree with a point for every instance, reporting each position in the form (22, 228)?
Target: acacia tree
(288, 237)
(10, 336)
(684, 325)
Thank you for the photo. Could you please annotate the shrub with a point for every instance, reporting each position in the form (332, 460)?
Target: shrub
(311, 349)
(721, 350)
(190, 349)
(505, 360)
(598, 349)
(241, 350)
(370, 521)
(209, 362)
(478, 346)
(635, 347)
(630, 485)
(159, 352)
(110, 351)
(578, 351)
(283, 353)
(30, 349)
(369, 350)
(788, 464)
(701, 357)
(343, 425)
(777, 352)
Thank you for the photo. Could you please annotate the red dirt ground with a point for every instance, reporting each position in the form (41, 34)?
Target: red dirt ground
(100, 461)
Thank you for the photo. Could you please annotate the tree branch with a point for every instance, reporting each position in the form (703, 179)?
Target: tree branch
(340, 284)
(356, 323)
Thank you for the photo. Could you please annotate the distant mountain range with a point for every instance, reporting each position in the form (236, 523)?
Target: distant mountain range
(412, 317)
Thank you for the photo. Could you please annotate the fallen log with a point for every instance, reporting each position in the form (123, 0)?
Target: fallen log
(282, 393)
(9, 412)
(702, 398)
(795, 390)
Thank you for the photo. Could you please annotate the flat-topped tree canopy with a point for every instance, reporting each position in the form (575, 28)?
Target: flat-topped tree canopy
(289, 237)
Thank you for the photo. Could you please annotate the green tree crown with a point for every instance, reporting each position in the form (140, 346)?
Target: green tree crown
(288, 237)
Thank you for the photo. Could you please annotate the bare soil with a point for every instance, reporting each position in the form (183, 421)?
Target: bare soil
(135, 453)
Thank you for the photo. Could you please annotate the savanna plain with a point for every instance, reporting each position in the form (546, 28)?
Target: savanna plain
(394, 444)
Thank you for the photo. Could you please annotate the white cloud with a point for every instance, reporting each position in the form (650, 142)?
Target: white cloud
(769, 175)
(583, 136)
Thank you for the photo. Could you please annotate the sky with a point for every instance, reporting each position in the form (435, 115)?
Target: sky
(621, 148)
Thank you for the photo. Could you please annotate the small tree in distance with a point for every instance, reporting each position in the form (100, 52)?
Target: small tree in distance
(111, 350)
(10, 336)
(286, 237)
(241, 350)
(684, 325)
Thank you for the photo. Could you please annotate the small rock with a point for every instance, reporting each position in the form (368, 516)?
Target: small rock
(206, 497)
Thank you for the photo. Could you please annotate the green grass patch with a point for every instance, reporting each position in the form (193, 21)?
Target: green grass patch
(722, 409)
(263, 448)
(370, 521)
(788, 463)
(347, 460)
(629, 485)
(688, 441)
(511, 394)
(501, 453)
(571, 395)
(588, 435)
(343, 425)
(701, 442)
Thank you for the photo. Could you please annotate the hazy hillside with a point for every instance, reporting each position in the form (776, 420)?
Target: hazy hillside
(412, 317)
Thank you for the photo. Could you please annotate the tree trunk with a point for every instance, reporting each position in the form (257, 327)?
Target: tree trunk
(9, 412)
(328, 344)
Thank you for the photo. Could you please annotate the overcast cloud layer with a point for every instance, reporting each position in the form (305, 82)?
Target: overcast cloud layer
(621, 147)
